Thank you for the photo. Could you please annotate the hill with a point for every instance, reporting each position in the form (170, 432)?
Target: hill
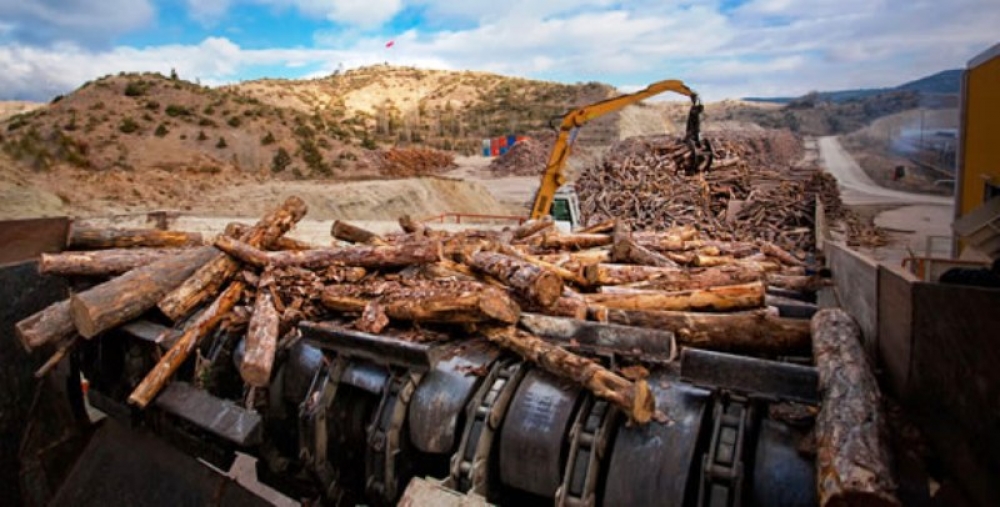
(450, 110)
(944, 82)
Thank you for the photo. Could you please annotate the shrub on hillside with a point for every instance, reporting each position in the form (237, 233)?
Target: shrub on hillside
(222, 143)
(128, 126)
(280, 161)
(161, 130)
(175, 110)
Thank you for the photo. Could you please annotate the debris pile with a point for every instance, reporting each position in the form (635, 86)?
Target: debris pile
(750, 192)
(411, 162)
(422, 285)
(526, 158)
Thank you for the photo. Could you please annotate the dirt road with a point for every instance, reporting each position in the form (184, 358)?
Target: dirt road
(856, 188)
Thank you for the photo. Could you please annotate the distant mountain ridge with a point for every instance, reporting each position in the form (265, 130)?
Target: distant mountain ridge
(944, 82)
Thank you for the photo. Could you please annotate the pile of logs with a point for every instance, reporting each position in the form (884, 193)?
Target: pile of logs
(426, 285)
(526, 158)
(651, 183)
(412, 162)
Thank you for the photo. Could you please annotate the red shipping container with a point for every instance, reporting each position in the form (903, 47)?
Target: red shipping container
(502, 141)
(494, 147)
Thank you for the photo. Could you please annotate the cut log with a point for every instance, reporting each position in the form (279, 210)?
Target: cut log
(670, 279)
(90, 238)
(795, 283)
(626, 251)
(398, 256)
(54, 324)
(556, 241)
(104, 263)
(600, 227)
(532, 227)
(539, 286)
(853, 461)
(354, 234)
(772, 250)
(261, 342)
(756, 332)
(236, 230)
(197, 329)
(634, 398)
(718, 299)
(126, 297)
(561, 272)
(206, 282)
(62, 350)
(430, 301)
(411, 226)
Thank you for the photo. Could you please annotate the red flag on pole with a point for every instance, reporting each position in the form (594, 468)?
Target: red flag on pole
(390, 44)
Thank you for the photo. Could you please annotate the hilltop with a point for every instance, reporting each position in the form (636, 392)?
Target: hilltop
(450, 110)
(946, 82)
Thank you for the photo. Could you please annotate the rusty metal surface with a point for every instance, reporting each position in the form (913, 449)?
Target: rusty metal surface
(298, 371)
(534, 433)
(24, 240)
(375, 348)
(750, 376)
(442, 396)
(651, 464)
(782, 475)
(220, 417)
(652, 343)
(365, 376)
(129, 467)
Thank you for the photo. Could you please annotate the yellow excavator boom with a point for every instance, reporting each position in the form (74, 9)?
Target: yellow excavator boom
(554, 176)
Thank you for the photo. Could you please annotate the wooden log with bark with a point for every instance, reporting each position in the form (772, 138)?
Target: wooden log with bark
(198, 328)
(53, 324)
(104, 263)
(556, 241)
(397, 256)
(853, 462)
(236, 229)
(126, 297)
(713, 299)
(625, 250)
(669, 279)
(91, 238)
(634, 398)
(354, 234)
(756, 332)
(429, 301)
(532, 227)
(206, 282)
(261, 340)
(537, 285)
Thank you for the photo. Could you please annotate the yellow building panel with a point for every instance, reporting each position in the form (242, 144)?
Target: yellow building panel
(981, 141)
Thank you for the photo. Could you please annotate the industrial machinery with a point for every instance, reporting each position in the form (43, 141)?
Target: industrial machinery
(553, 178)
(351, 418)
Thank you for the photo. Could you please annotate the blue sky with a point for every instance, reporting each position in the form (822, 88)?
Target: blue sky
(725, 49)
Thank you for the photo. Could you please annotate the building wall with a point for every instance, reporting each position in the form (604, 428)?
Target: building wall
(981, 135)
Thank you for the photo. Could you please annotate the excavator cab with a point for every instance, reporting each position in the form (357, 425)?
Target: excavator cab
(565, 210)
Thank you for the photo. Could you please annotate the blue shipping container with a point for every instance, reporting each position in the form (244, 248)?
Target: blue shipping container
(511, 140)
(503, 150)
(486, 147)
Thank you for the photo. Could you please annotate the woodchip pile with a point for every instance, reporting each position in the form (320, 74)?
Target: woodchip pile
(423, 285)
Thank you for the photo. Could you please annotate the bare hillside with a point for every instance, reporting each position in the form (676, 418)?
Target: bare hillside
(451, 110)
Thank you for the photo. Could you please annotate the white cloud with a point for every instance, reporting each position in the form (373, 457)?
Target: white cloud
(207, 11)
(763, 47)
(83, 21)
(366, 13)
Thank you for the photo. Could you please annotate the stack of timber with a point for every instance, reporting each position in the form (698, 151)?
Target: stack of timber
(422, 284)
(655, 182)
